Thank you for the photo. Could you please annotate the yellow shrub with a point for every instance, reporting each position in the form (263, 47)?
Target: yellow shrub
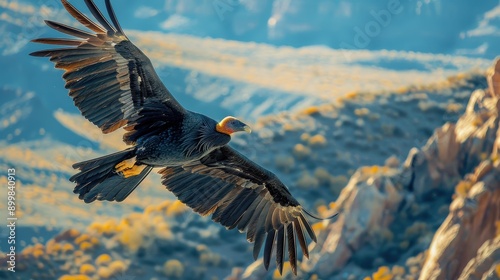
(53, 247)
(351, 95)
(103, 259)
(383, 273)
(173, 268)
(67, 247)
(322, 209)
(301, 151)
(132, 238)
(319, 226)
(208, 258)
(87, 269)
(74, 277)
(94, 241)
(311, 110)
(73, 233)
(78, 253)
(361, 112)
(38, 253)
(463, 188)
(117, 266)
(398, 270)
(288, 127)
(317, 140)
(107, 228)
(104, 272)
(85, 246)
(82, 238)
(305, 136)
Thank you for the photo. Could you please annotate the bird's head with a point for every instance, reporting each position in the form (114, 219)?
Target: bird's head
(230, 125)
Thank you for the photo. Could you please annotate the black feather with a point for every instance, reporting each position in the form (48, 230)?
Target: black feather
(99, 17)
(83, 19)
(268, 248)
(292, 249)
(69, 30)
(308, 228)
(280, 248)
(58, 41)
(301, 237)
(259, 240)
(112, 15)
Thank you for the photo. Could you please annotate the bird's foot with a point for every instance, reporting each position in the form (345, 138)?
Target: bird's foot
(124, 165)
(133, 171)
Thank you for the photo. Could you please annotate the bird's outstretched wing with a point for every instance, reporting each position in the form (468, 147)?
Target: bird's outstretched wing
(108, 77)
(241, 194)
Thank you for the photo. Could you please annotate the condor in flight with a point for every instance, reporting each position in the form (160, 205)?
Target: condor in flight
(114, 85)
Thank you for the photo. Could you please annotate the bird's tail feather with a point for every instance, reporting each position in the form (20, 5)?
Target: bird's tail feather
(98, 179)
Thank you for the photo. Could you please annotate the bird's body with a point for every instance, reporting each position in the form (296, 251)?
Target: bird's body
(114, 85)
(183, 142)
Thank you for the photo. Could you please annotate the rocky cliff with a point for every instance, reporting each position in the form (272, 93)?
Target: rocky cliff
(388, 214)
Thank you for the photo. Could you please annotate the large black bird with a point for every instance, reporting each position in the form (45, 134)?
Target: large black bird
(114, 85)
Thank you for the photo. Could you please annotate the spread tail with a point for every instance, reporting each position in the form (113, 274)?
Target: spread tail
(109, 177)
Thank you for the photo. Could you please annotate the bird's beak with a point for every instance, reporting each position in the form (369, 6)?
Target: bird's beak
(247, 129)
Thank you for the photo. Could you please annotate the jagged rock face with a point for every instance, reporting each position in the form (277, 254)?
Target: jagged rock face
(470, 224)
(369, 202)
(467, 245)
(485, 264)
(461, 158)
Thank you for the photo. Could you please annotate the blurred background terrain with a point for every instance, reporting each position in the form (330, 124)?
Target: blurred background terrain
(354, 105)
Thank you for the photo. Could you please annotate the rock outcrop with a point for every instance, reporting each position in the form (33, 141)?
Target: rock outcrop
(436, 217)
(467, 245)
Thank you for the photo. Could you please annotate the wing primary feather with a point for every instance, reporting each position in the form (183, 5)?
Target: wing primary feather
(257, 217)
(268, 247)
(276, 218)
(259, 240)
(308, 228)
(292, 249)
(301, 237)
(269, 217)
(69, 30)
(112, 15)
(83, 19)
(56, 53)
(280, 248)
(58, 41)
(98, 15)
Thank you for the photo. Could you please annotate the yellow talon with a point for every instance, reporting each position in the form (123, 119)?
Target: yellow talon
(133, 171)
(124, 165)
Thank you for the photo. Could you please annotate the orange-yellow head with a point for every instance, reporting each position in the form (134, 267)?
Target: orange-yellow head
(230, 125)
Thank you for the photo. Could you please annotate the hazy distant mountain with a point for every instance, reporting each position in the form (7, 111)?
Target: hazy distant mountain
(24, 117)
